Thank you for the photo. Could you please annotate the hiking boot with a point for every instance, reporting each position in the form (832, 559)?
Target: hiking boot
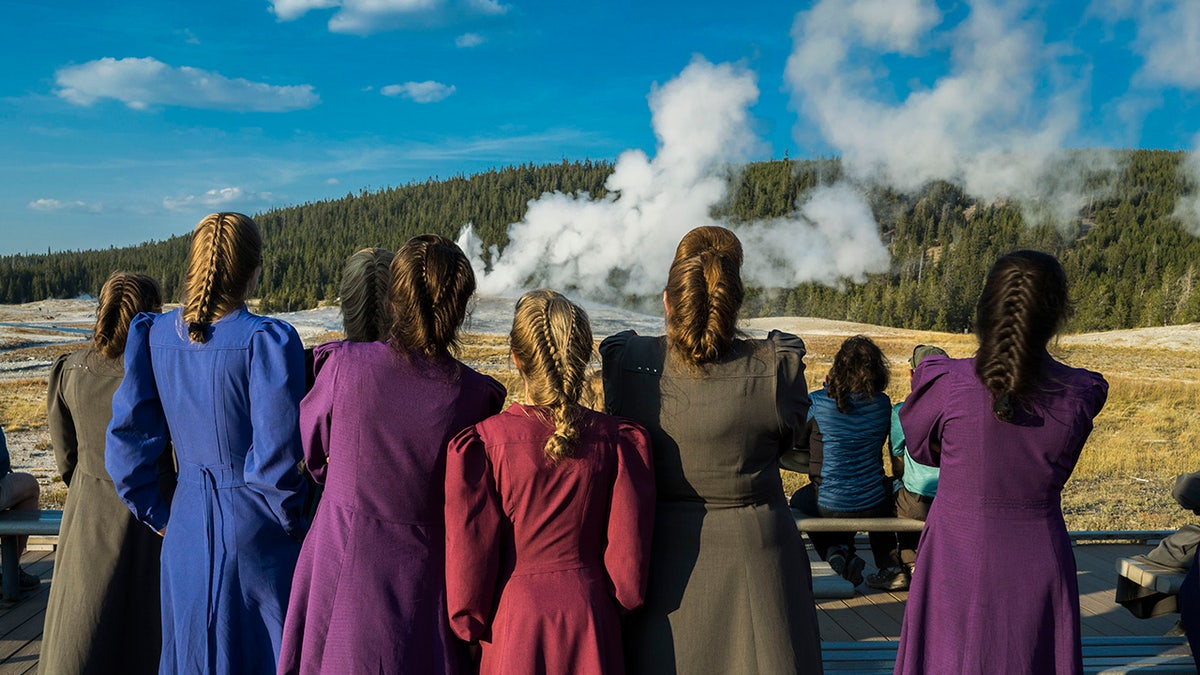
(854, 570)
(26, 581)
(836, 557)
(894, 578)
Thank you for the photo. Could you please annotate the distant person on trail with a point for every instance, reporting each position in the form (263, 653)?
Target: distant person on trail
(104, 612)
(369, 593)
(18, 491)
(730, 588)
(849, 421)
(995, 590)
(914, 492)
(549, 511)
(227, 384)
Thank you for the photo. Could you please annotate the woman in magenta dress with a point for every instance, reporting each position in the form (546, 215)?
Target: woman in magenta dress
(368, 595)
(994, 590)
(549, 510)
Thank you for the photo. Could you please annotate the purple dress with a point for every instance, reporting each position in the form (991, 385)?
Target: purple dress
(994, 589)
(369, 591)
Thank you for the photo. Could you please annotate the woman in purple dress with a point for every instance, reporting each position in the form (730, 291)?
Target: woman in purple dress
(369, 591)
(549, 508)
(994, 590)
(225, 385)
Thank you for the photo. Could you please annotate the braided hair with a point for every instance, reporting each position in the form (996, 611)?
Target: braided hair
(366, 282)
(1024, 303)
(704, 294)
(122, 297)
(431, 283)
(859, 370)
(226, 252)
(551, 339)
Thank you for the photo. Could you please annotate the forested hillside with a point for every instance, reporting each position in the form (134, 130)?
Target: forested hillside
(1131, 264)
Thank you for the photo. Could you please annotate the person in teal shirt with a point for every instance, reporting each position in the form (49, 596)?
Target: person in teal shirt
(914, 492)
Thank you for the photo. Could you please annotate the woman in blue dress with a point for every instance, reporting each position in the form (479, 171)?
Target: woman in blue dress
(227, 384)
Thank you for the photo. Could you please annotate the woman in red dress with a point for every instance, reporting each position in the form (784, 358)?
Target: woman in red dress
(549, 508)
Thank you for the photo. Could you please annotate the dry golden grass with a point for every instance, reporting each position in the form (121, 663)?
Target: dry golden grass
(1148, 432)
(23, 404)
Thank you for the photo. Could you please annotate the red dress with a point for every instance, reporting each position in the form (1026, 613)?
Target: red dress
(542, 557)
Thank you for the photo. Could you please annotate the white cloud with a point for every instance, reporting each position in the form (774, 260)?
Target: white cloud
(288, 10)
(56, 206)
(608, 248)
(420, 92)
(219, 198)
(468, 40)
(143, 82)
(995, 123)
(365, 17)
(332, 181)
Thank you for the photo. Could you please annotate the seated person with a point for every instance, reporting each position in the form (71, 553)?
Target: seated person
(1175, 553)
(915, 489)
(849, 421)
(19, 492)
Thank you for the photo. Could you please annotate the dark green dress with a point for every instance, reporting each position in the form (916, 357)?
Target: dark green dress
(730, 588)
(103, 614)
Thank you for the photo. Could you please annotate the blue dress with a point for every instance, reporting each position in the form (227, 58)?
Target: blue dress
(231, 405)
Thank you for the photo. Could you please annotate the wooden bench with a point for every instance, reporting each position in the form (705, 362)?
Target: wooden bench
(815, 524)
(1154, 577)
(13, 526)
(1100, 655)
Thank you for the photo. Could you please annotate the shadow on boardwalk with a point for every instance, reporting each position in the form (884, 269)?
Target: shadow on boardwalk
(870, 615)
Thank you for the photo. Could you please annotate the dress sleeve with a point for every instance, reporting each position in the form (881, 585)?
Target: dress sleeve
(137, 434)
(611, 351)
(316, 410)
(276, 387)
(62, 426)
(473, 521)
(923, 413)
(791, 389)
(631, 517)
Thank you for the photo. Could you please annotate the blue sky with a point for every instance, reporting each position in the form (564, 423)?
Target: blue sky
(127, 121)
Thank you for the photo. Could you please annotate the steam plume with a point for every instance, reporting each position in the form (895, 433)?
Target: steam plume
(622, 244)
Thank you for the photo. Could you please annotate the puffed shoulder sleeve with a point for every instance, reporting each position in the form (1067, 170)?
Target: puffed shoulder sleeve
(62, 425)
(276, 387)
(1096, 393)
(137, 434)
(316, 409)
(791, 389)
(497, 394)
(630, 517)
(473, 521)
(611, 351)
(923, 413)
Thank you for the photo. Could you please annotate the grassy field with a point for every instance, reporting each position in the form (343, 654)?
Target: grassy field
(1148, 433)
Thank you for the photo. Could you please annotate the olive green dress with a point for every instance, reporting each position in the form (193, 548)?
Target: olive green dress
(103, 614)
(730, 589)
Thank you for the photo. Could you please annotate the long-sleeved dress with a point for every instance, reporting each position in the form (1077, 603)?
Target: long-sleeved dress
(730, 589)
(994, 589)
(103, 614)
(369, 591)
(541, 556)
(234, 524)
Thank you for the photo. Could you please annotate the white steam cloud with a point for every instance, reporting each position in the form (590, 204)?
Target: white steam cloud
(996, 123)
(623, 244)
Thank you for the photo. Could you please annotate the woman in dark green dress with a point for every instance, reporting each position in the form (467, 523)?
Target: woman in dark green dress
(103, 615)
(730, 589)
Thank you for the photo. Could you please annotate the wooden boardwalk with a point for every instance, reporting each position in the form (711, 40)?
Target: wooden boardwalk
(872, 615)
